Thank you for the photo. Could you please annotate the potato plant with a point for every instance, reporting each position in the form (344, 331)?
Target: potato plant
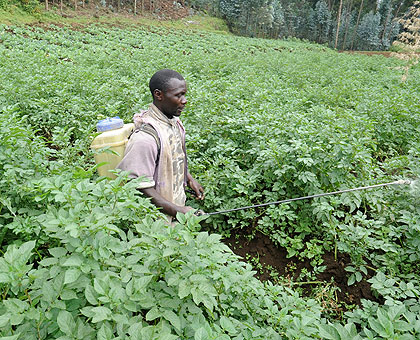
(84, 257)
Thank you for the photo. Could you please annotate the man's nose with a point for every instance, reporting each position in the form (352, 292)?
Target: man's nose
(183, 100)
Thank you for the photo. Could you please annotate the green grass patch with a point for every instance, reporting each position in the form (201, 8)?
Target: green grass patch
(16, 16)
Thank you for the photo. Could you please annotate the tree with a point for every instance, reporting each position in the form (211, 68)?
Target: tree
(369, 31)
(357, 24)
(265, 17)
(323, 21)
(338, 23)
(348, 19)
(410, 37)
(278, 18)
(231, 11)
(385, 10)
(411, 27)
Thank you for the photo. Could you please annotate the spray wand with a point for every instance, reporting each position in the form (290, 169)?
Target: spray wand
(400, 182)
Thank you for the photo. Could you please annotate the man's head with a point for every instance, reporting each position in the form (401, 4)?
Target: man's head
(168, 89)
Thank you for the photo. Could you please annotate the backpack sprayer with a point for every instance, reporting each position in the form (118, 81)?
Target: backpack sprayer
(400, 182)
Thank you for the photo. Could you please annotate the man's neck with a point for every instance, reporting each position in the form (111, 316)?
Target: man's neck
(159, 113)
(156, 104)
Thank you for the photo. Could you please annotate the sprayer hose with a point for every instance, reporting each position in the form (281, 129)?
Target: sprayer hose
(400, 182)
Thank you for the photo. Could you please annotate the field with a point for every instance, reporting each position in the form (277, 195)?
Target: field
(87, 258)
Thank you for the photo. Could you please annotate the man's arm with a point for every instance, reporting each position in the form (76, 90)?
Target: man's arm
(167, 207)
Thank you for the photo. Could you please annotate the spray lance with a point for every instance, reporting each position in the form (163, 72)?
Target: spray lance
(400, 182)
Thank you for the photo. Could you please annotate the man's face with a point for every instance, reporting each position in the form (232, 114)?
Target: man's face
(172, 101)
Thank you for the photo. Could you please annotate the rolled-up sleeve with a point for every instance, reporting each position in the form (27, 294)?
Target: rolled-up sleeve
(140, 158)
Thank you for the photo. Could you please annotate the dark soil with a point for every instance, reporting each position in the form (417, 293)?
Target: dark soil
(387, 54)
(262, 249)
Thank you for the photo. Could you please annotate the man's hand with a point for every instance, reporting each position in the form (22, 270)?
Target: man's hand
(194, 185)
(185, 209)
(167, 207)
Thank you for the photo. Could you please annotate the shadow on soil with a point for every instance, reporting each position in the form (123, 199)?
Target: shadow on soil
(268, 256)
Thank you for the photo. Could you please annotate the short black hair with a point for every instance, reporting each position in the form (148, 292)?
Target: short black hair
(161, 79)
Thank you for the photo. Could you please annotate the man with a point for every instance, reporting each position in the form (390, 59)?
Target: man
(156, 149)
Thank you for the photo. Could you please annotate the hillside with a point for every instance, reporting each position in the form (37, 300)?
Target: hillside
(267, 120)
(93, 15)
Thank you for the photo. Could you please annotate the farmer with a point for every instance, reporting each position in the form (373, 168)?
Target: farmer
(156, 149)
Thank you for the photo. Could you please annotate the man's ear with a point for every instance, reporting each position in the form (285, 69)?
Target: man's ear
(158, 94)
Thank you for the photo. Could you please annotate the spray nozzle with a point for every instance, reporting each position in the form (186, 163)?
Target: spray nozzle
(403, 182)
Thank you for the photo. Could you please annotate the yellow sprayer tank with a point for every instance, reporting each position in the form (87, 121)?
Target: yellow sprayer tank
(109, 146)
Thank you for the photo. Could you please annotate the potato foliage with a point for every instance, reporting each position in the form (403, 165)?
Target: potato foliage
(88, 258)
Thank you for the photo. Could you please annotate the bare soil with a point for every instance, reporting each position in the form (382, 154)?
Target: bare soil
(334, 278)
(387, 54)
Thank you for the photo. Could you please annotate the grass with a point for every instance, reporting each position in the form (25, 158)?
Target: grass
(16, 16)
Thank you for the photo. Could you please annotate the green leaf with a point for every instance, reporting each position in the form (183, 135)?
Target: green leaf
(134, 330)
(11, 337)
(377, 327)
(16, 319)
(73, 261)
(25, 250)
(131, 306)
(351, 280)
(201, 334)
(87, 311)
(101, 314)
(417, 326)
(90, 295)
(172, 318)
(328, 331)
(15, 306)
(66, 322)
(58, 252)
(105, 332)
(168, 252)
(153, 314)
(68, 294)
(4, 320)
(49, 261)
(142, 283)
(223, 337)
(198, 296)
(168, 336)
(184, 289)
(5, 278)
(99, 286)
(227, 325)
(71, 275)
(385, 322)
(181, 218)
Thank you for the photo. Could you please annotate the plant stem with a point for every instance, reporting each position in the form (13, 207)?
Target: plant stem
(306, 283)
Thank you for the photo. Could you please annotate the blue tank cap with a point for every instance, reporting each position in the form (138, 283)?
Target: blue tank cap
(109, 124)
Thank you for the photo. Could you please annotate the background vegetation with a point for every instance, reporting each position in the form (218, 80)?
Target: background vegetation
(342, 24)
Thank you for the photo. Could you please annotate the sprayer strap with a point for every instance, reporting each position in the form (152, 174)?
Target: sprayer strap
(149, 129)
